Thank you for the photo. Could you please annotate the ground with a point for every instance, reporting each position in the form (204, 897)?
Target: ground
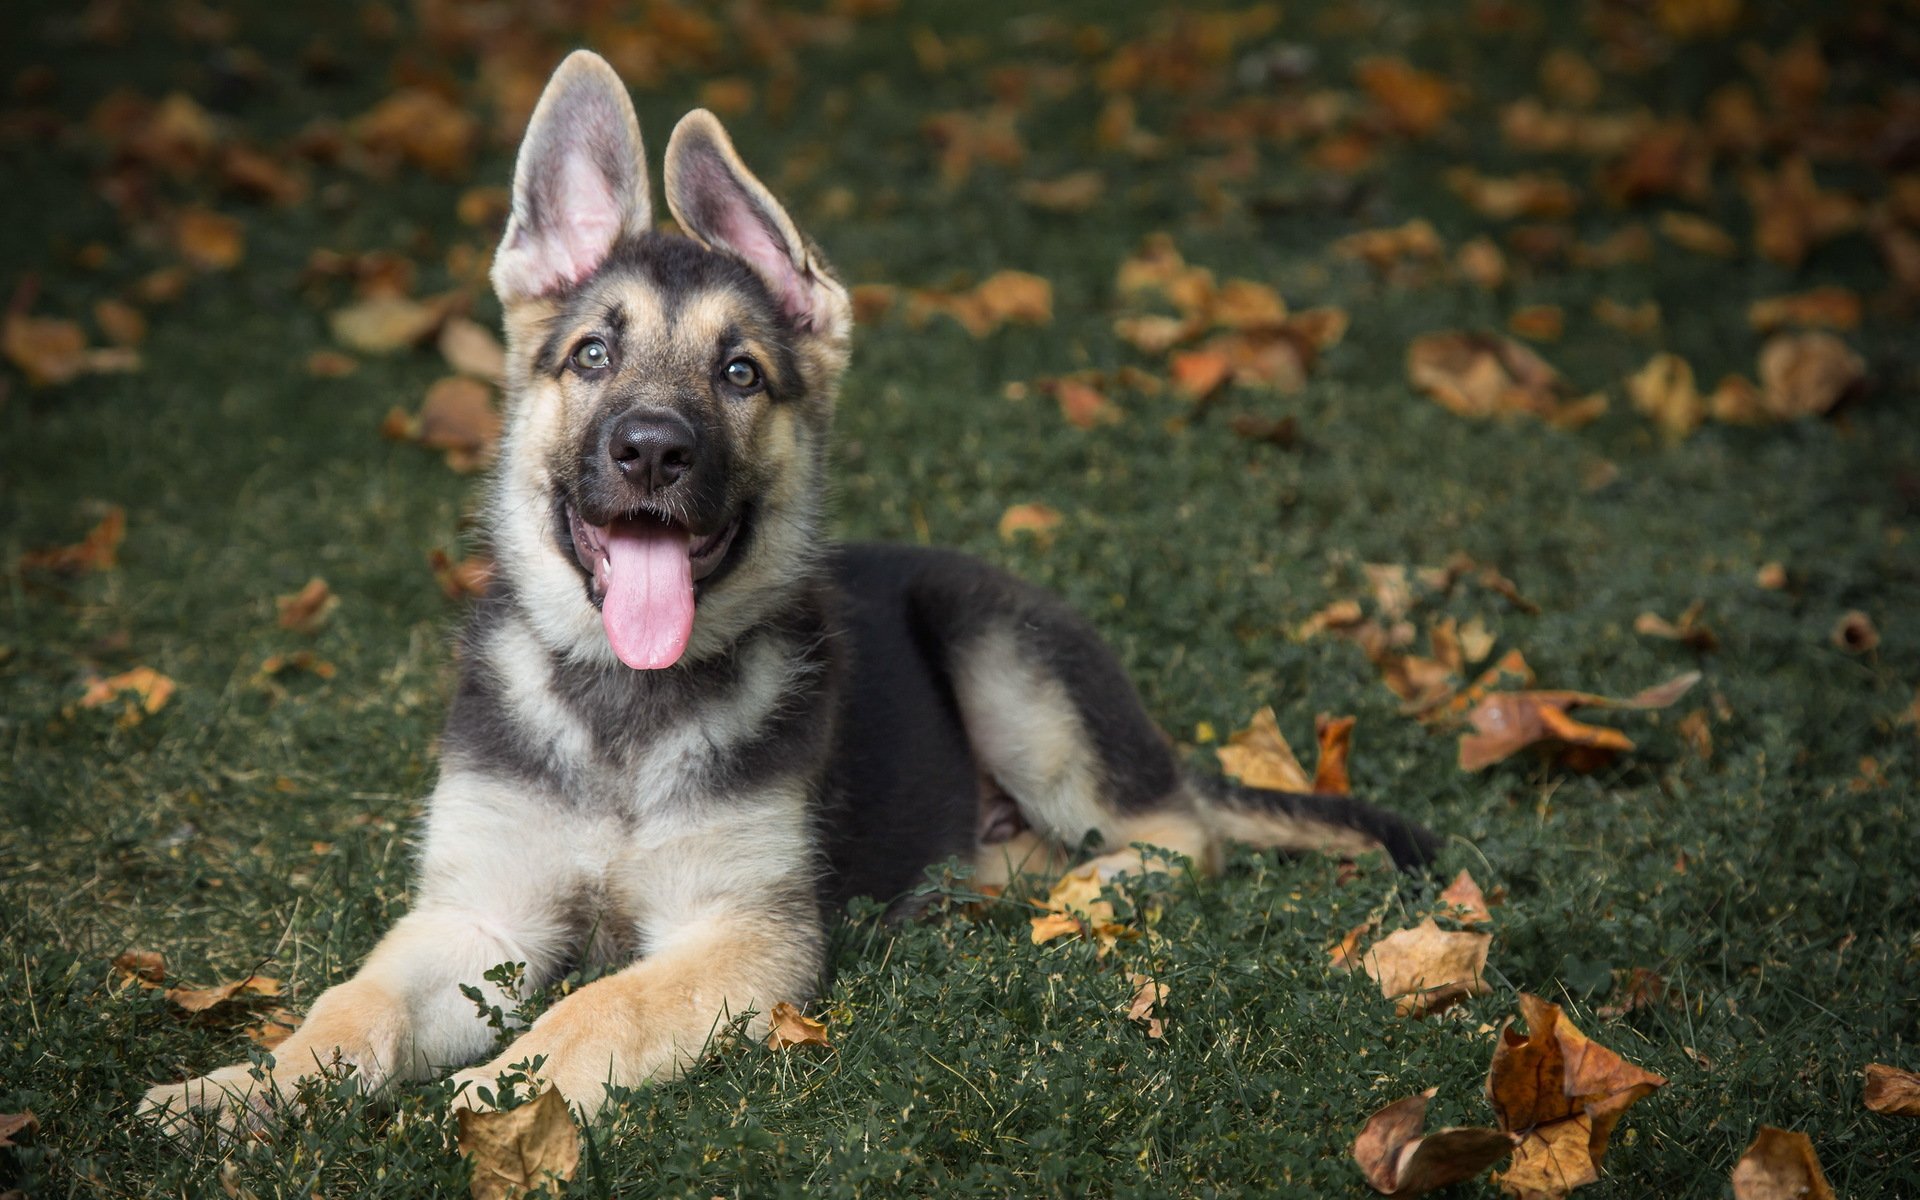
(259, 823)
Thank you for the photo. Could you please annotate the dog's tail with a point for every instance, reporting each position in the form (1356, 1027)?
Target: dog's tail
(1305, 821)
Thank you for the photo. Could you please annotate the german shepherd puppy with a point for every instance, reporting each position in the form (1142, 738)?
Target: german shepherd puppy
(688, 726)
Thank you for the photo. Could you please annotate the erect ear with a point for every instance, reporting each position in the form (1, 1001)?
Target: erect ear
(716, 199)
(579, 185)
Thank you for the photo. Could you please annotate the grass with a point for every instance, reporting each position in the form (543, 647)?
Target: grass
(252, 825)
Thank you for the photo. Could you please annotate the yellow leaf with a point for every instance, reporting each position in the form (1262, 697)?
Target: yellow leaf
(787, 1026)
(520, 1149)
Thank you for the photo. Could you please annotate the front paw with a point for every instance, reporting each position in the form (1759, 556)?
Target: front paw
(237, 1098)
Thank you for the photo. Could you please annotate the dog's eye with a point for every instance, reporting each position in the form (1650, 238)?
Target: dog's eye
(591, 355)
(741, 373)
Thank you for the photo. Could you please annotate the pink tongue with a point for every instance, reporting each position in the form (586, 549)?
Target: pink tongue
(648, 610)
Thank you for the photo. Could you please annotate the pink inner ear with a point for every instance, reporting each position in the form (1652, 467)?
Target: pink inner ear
(581, 219)
(749, 237)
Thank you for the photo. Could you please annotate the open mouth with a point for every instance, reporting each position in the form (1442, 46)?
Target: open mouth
(641, 571)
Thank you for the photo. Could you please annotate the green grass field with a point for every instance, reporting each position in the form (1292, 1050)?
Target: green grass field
(262, 825)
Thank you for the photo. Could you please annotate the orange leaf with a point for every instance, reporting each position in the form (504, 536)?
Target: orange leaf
(149, 688)
(1083, 406)
(1036, 520)
(1780, 1165)
(1259, 756)
(1416, 101)
(147, 967)
(1470, 902)
(1198, 374)
(1481, 375)
(306, 610)
(1335, 735)
(98, 551)
(46, 349)
(209, 240)
(787, 1026)
(1398, 1160)
(1891, 1091)
(1833, 307)
(199, 1000)
(1556, 1074)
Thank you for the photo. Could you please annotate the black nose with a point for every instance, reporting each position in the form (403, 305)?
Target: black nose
(653, 450)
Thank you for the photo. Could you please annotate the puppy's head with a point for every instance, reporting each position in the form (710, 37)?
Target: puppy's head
(669, 397)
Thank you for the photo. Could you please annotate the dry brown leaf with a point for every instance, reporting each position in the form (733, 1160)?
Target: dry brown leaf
(1506, 722)
(1156, 333)
(1259, 756)
(385, 324)
(1529, 194)
(1791, 214)
(787, 1026)
(1664, 390)
(1083, 406)
(1771, 576)
(208, 240)
(331, 364)
(1198, 374)
(1806, 374)
(964, 138)
(299, 660)
(98, 551)
(123, 324)
(1482, 261)
(1891, 1091)
(1416, 102)
(458, 417)
(1555, 1075)
(471, 349)
(1245, 304)
(1696, 233)
(1780, 1165)
(1051, 925)
(516, 1151)
(1076, 905)
(1346, 952)
(306, 610)
(1688, 630)
(1480, 375)
(1468, 901)
(1426, 969)
(273, 1028)
(1833, 307)
(1398, 1160)
(1075, 192)
(1383, 248)
(420, 127)
(1538, 322)
(1148, 995)
(1855, 632)
(1036, 520)
(471, 576)
(149, 689)
(249, 173)
(1644, 989)
(1638, 319)
(1551, 1161)
(1001, 298)
(1335, 735)
(199, 1000)
(12, 1125)
(47, 349)
(146, 967)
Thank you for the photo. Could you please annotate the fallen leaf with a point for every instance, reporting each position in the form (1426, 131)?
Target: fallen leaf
(1529, 194)
(1426, 969)
(515, 1151)
(471, 349)
(1077, 904)
(1644, 989)
(384, 324)
(1638, 319)
(1384, 248)
(471, 576)
(331, 364)
(1052, 925)
(149, 689)
(199, 1000)
(1147, 996)
(1346, 952)
(306, 610)
(1468, 901)
(1037, 520)
(458, 417)
(12, 1125)
(1416, 102)
(1245, 304)
(1696, 233)
(1806, 374)
(1075, 192)
(1398, 1160)
(1771, 576)
(1688, 630)
(1156, 333)
(98, 551)
(47, 350)
(1506, 722)
(787, 1026)
(1833, 307)
(1891, 1091)
(121, 322)
(1664, 390)
(1563, 1090)
(420, 127)
(1791, 214)
(1335, 735)
(272, 1029)
(1538, 322)
(208, 240)
(1002, 298)
(1259, 756)
(1482, 261)
(148, 967)
(1083, 406)
(1855, 633)
(1198, 374)
(1780, 1165)
(1480, 375)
